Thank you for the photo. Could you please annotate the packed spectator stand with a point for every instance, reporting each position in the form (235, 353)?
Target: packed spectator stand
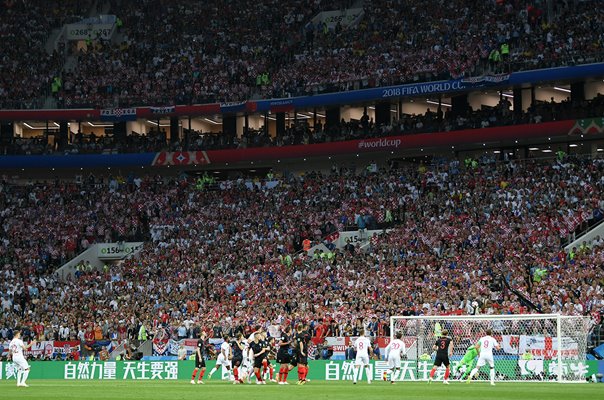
(192, 61)
(26, 69)
(170, 53)
(229, 259)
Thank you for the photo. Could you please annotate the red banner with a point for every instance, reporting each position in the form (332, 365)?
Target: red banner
(181, 158)
(385, 144)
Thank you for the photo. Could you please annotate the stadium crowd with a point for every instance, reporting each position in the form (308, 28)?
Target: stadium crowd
(26, 69)
(47, 225)
(230, 259)
(243, 52)
(268, 49)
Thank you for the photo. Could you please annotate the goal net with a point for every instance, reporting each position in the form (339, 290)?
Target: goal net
(534, 347)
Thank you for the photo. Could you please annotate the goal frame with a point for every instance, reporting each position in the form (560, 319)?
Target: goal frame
(487, 317)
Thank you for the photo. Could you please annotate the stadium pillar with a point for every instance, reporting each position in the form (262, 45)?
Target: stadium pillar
(332, 117)
(382, 113)
(188, 135)
(314, 117)
(459, 105)
(63, 136)
(229, 125)
(517, 101)
(280, 124)
(246, 124)
(119, 131)
(577, 92)
(174, 130)
(7, 132)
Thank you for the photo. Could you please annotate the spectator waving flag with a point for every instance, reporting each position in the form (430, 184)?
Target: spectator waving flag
(507, 230)
(569, 223)
(375, 239)
(312, 350)
(332, 237)
(577, 221)
(121, 229)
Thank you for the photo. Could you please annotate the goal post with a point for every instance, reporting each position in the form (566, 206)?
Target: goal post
(534, 347)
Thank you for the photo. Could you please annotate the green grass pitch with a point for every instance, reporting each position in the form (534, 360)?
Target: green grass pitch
(175, 390)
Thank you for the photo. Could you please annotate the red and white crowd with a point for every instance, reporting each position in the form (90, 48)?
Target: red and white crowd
(229, 259)
(270, 49)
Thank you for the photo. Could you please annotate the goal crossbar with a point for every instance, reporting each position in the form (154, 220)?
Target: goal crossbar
(482, 317)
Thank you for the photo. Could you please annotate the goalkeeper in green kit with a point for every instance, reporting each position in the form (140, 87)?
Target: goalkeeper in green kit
(467, 362)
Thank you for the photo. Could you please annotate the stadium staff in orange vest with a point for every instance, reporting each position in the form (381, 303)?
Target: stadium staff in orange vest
(306, 244)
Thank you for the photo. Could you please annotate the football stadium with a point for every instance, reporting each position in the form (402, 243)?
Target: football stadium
(351, 198)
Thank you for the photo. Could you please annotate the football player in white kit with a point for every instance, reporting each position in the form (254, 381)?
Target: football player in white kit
(247, 365)
(362, 347)
(15, 351)
(224, 358)
(394, 352)
(485, 346)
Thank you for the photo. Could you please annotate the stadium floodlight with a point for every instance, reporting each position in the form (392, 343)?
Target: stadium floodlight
(534, 347)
